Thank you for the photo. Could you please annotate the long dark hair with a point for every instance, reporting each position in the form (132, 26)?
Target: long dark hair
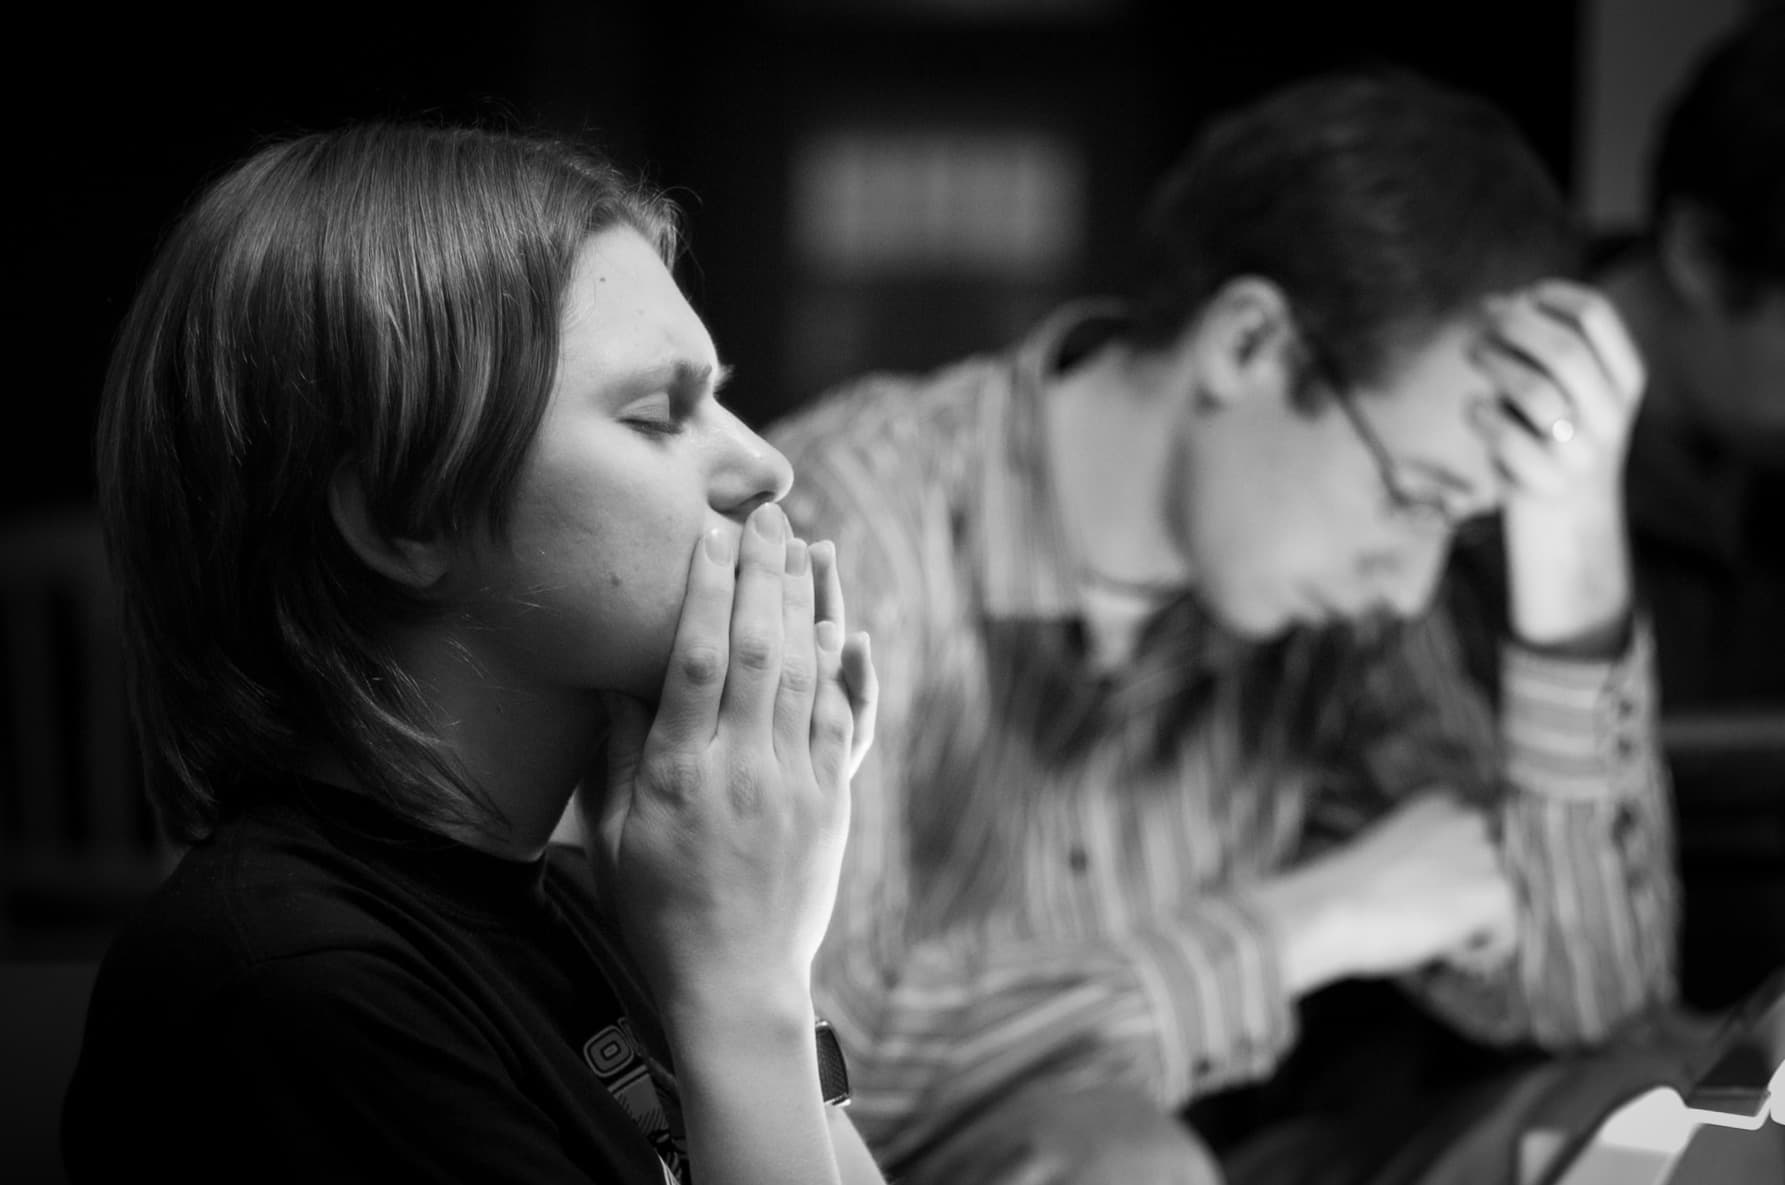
(386, 297)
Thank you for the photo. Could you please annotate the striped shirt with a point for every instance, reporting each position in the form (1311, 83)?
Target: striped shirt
(1005, 916)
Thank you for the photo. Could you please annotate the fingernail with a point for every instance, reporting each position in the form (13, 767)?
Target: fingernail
(770, 522)
(718, 546)
(830, 637)
(797, 559)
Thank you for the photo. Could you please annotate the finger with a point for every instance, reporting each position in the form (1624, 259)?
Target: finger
(1009, 1161)
(799, 658)
(1556, 346)
(1485, 954)
(1494, 938)
(858, 667)
(828, 583)
(1434, 817)
(1529, 397)
(757, 632)
(1037, 1169)
(1477, 849)
(1528, 465)
(864, 697)
(1427, 805)
(832, 719)
(1603, 330)
(688, 709)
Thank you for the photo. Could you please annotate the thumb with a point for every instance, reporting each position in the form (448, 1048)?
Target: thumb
(627, 727)
(864, 697)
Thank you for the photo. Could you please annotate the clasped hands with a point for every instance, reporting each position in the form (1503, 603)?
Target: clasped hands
(719, 833)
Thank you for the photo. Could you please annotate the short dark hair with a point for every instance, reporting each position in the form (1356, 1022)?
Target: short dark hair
(1380, 201)
(1721, 150)
(385, 296)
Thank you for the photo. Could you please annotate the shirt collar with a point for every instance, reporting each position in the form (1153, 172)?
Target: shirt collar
(1027, 567)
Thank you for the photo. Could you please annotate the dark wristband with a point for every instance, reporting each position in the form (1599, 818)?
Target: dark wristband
(833, 1073)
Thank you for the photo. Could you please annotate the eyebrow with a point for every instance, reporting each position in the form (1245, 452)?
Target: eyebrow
(679, 378)
(1397, 462)
(1438, 471)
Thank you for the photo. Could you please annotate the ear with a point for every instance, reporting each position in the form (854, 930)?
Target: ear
(418, 564)
(1246, 343)
(1690, 262)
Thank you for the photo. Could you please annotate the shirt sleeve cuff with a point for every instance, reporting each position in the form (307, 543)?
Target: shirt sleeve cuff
(1569, 724)
(1216, 986)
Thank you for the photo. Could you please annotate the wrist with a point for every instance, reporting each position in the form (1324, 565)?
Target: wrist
(1301, 918)
(715, 1041)
(1568, 574)
(776, 1011)
(753, 1098)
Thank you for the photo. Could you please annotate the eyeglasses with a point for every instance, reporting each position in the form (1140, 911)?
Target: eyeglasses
(1423, 512)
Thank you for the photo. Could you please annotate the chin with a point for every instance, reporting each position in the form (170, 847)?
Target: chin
(1252, 618)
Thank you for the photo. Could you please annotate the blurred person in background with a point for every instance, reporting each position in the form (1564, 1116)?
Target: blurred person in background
(1174, 748)
(1703, 292)
(423, 512)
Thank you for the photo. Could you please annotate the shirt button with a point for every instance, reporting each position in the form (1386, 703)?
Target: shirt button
(1077, 860)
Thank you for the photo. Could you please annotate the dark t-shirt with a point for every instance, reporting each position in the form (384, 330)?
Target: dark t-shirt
(322, 992)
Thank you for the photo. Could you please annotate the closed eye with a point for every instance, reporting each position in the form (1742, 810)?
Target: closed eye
(654, 415)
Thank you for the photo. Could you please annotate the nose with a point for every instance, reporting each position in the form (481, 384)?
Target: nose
(746, 469)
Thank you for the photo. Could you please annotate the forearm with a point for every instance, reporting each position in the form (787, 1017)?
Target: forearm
(1179, 1009)
(751, 1099)
(1587, 836)
(1600, 945)
(1591, 953)
(1568, 379)
(855, 1162)
(1308, 926)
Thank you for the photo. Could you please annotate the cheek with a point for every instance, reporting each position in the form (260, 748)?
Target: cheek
(595, 589)
(1287, 521)
(1277, 522)
(1243, 549)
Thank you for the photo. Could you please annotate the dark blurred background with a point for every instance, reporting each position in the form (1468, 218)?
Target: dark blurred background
(867, 183)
